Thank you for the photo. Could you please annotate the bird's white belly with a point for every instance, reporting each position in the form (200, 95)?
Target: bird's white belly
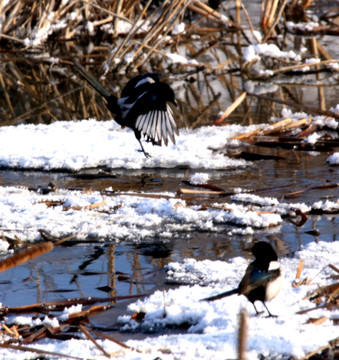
(274, 287)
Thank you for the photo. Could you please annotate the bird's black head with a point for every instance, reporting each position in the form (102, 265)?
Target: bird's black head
(264, 251)
(168, 93)
(164, 89)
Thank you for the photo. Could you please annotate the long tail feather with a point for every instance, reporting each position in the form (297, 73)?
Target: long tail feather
(92, 80)
(222, 295)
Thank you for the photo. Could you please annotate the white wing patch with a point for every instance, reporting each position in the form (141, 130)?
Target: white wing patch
(146, 80)
(125, 106)
(158, 125)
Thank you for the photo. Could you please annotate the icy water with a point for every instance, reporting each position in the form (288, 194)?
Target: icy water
(108, 269)
(103, 269)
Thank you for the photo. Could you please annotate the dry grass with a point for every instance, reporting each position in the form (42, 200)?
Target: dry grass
(121, 38)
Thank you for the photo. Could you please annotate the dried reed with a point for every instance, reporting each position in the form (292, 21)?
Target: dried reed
(26, 255)
(124, 37)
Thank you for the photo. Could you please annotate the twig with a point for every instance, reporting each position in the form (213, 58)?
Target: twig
(113, 340)
(107, 11)
(31, 253)
(319, 350)
(184, 191)
(94, 310)
(230, 109)
(249, 21)
(61, 304)
(299, 106)
(283, 5)
(132, 31)
(300, 269)
(243, 335)
(325, 306)
(85, 207)
(300, 66)
(38, 351)
(90, 337)
(11, 38)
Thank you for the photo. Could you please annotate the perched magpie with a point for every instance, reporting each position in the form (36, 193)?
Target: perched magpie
(262, 280)
(143, 107)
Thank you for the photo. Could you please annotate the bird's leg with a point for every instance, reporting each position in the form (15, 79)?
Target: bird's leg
(256, 310)
(257, 313)
(143, 150)
(269, 313)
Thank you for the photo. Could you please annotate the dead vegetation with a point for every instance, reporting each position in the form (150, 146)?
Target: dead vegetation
(76, 324)
(203, 50)
(18, 337)
(121, 38)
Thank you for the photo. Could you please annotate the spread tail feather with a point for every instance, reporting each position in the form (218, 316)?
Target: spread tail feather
(222, 295)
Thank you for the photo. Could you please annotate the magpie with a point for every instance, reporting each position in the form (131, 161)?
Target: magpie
(142, 106)
(262, 280)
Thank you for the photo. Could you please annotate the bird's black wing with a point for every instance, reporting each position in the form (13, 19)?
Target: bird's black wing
(255, 278)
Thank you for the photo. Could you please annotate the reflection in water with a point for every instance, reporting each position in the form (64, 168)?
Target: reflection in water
(40, 91)
(89, 270)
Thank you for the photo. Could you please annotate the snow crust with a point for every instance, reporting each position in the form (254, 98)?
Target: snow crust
(333, 159)
(118, 217)
(254, 52)
(213, 326)
(74, 145)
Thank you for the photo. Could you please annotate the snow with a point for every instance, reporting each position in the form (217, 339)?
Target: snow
(177, 58)
(124, 27)
(28, 320)
(286, 113)
(313, 138)
(25, 320)
(213, 326)
(104, 143)
(253, 52)
(54, 323)
(333, 159)
(309, 26)
(179, 29)
(331, 123)
(263, 201)
(71, 310)
(217, 322)
(326, 205)
(51, 24)
(199, 178)
(333, 66)
(127, 216)
(3, 245)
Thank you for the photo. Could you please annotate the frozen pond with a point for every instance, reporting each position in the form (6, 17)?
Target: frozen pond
(166, 231)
